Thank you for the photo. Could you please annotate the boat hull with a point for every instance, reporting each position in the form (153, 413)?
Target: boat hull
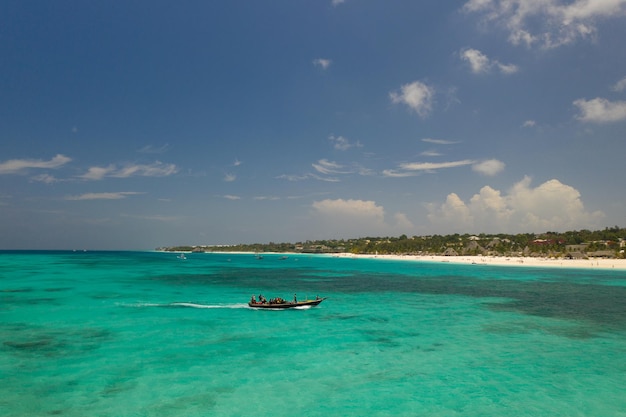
(283, 306)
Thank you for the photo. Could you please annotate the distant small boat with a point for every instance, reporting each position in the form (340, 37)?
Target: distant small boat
(281, 304)
(182, 256)
(282, 258)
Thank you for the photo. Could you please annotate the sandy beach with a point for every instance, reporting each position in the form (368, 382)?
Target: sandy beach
(503, 261)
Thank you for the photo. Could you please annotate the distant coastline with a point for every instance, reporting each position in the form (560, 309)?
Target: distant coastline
(616, 264)
(505, 261)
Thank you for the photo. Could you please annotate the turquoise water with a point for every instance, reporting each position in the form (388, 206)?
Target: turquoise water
(147, 334)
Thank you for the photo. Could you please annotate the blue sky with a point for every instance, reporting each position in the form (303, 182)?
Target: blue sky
(128, 125)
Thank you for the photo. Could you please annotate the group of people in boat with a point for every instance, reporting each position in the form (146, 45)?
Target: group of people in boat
(277, 300)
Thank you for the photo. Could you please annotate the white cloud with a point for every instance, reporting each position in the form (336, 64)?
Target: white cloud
(323, 63)
(601, 110)
(97, 173)
(345, 218)
(433, 166)
(337, 2)
(231, 197)
(430, 153)
(150, 149)
(477, 60)
(417, 95)
(342, 144)
(326, 167)
(230, 177)
(157, 169)
(620, 85)
(45, 178)
(237, 163)
(549, 23)
(102, 196)
(529, 123)
(550, 206)
(480, 63)
(489, 167)
(439, 141)
(14, 166)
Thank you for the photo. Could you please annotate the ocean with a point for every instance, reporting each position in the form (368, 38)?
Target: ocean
(149, 334)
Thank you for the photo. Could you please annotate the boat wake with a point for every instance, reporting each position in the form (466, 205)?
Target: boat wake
(188, 305)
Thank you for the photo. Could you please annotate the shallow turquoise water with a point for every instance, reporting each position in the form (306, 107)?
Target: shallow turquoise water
(147, 334)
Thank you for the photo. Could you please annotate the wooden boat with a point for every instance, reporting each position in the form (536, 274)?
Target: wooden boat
(286, 304)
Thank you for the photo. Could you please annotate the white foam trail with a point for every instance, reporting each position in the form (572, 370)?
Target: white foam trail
(189, 305)
(193, 305)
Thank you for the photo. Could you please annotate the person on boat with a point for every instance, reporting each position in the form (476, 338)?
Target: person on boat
(253, 300)
(295, 298)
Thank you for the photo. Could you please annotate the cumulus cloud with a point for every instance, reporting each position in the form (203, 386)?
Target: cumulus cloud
(489, 167)
(548, 23)
(480, 63)
(157, 169)
(600, 110)
(342, 144)
(417, 95)
(344, 218)
(323, 63)
(529, 123)
(15, 166)
(103, 196)
(549, 206)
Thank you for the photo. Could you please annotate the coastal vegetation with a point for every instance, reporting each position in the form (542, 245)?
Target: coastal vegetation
(607, 243)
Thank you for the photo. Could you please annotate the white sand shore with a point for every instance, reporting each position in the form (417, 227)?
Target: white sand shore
(617, 264)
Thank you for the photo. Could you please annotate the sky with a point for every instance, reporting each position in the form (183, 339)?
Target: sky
(135, 125)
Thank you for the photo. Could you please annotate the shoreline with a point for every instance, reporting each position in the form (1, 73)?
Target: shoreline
(512, 261)
(600, 263)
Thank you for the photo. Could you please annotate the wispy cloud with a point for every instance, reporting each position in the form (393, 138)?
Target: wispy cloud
(326, 167)
(430, 153)
(336, 3)
(157, 169)
(620, 85)
(547, 23)
(230, 177)
(323, 63)
(231, 197)
(440, 141)
(150, 149)
(529, 123)
(266, 198)
(45, 178)
(417, 96)
(408, 169)
(103, 196)
(237, 163)
(480, 63)
(15, 166)
(433, 166)
(342, 144)
(600, 110)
